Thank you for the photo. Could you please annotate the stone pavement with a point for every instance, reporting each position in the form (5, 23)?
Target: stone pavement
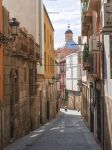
(67, 132)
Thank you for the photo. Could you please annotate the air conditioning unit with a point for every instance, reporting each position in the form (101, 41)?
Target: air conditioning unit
(93, 43)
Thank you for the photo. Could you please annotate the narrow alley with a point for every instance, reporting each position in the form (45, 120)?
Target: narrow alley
(67, 132)
(56, 54)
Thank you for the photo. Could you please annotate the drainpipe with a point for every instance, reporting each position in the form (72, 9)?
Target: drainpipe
(103, 94)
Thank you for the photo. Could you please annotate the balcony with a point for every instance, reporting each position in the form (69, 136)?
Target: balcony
(88, 5)
(86, 62)
(93, 5)
(85, 29)
(37, 51)
(31, 47)
(20, 48)
(95, 66)
(23, 41)
(86, 23)
(86, 65)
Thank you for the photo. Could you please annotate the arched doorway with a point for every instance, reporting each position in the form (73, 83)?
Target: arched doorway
(14, 93)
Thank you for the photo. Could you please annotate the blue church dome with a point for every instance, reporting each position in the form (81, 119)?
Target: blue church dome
(71, 45)
(69, 31)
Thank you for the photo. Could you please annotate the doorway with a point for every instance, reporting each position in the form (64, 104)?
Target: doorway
(91, 108)
(40, 99)
(98, 102)
(13, 99)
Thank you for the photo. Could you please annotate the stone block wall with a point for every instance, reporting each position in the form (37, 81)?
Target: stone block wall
(74, 102)
(108, 123)
(25, 115)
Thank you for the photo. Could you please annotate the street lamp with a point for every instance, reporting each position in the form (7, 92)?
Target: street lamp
(14, 25)
(56, 78)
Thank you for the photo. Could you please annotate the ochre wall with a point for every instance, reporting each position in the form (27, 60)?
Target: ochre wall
(48, 47)
(1, 56)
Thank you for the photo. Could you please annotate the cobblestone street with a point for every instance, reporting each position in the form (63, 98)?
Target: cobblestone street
(67, 132)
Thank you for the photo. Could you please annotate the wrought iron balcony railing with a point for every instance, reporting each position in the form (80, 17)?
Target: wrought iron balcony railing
(95, 66)
(31, 45)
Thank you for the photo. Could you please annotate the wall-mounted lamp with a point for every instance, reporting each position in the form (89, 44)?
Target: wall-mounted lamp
(56, 78)
(14, 25)
(50, 82)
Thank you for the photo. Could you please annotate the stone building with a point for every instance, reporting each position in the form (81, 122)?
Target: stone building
(32, 20)
(92, 60)
(96, 91)
(19, 105)
(28, 91)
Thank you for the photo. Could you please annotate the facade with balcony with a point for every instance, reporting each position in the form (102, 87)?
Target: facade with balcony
(18, 96)
(97, 105)
(92, 65)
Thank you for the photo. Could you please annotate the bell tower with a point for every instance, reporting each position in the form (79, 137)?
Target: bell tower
(68, 34)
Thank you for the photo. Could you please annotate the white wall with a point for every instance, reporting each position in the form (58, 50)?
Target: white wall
(40, 68)
(108, 80)
(72, 72)
(84, 74)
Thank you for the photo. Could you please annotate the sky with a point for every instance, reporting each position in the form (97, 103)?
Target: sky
(62, 13)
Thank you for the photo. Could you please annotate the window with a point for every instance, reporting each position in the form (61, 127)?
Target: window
(32, 81)
(51, 64)
(25, 75)
(14, 88)
(108, 1)
(50, 42)
(45, 60)
(48, 63)
(48, 38)
(44, 33)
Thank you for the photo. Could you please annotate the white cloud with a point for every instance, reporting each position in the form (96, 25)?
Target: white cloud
(69, 13)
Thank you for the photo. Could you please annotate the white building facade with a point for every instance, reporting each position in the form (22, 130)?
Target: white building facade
(73, 80)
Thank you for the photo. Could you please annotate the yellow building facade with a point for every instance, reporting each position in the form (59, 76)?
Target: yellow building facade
(49, 65)
(49, 53)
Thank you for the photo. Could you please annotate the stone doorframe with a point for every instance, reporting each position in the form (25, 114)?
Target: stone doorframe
(14, 97)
